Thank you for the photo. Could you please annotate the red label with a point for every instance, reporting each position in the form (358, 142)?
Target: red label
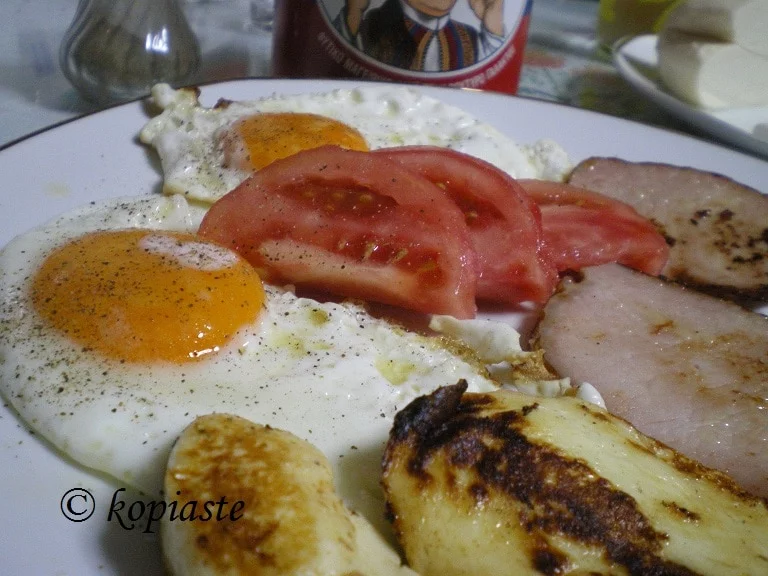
(477, 44)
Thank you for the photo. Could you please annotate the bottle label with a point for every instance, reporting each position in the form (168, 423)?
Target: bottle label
(463, 43)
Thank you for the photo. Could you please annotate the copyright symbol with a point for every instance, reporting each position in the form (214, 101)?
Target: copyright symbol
(77, 505)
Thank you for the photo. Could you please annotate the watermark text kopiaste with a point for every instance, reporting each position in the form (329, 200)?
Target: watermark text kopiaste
(78, 505)
(127, 515)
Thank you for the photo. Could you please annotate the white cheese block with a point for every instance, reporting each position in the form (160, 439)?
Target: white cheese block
(712, 74)
(742, 22)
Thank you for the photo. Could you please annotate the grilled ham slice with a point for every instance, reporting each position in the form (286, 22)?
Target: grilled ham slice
(717, 229)
(685, 368)
(508, 484)
(290, 520)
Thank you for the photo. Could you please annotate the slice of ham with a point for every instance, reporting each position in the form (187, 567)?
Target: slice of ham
(685, 368)
(717, 228)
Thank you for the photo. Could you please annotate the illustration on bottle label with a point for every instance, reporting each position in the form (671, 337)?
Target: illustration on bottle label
(469, 43)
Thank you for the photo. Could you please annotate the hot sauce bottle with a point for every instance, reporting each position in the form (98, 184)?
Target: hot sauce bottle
(462, 43)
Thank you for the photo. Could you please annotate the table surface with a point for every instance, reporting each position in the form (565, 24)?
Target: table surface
(562, 63)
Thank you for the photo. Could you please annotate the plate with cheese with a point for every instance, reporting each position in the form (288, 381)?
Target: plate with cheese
(708, 66)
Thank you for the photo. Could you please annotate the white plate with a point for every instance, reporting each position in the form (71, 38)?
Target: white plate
(98, 157)
(746, 128)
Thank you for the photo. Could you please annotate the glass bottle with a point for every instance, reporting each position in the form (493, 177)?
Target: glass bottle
(625, 18)
(115, 50)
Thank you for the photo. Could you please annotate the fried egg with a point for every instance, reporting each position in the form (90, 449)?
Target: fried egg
(206, 152)
(118, 327)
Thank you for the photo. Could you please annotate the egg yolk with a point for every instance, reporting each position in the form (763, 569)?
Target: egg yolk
(143, 296)
(257, 141)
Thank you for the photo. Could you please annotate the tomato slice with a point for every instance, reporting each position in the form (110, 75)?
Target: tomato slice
(504, 223)
(584, 228)
(351, 223)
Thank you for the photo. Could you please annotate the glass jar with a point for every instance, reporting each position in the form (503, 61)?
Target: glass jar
(115, 50)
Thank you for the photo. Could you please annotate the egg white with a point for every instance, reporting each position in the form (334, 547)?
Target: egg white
(330, 373)
(187, 136)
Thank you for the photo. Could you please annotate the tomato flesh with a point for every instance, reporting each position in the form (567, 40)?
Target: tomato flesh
(504, 223)
(584, 228)
(351, 223)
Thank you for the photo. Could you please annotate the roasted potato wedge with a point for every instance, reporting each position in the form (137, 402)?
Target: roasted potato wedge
(291, 521)
(504, 483)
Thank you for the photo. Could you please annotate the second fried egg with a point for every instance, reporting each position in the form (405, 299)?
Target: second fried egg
(206, 152)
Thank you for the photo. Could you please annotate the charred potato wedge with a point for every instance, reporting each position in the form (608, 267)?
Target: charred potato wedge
(503, 483)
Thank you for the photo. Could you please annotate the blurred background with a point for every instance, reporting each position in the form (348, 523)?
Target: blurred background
(566, 57)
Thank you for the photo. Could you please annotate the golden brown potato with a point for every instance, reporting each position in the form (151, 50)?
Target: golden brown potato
(503, 483)
(281, 516)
